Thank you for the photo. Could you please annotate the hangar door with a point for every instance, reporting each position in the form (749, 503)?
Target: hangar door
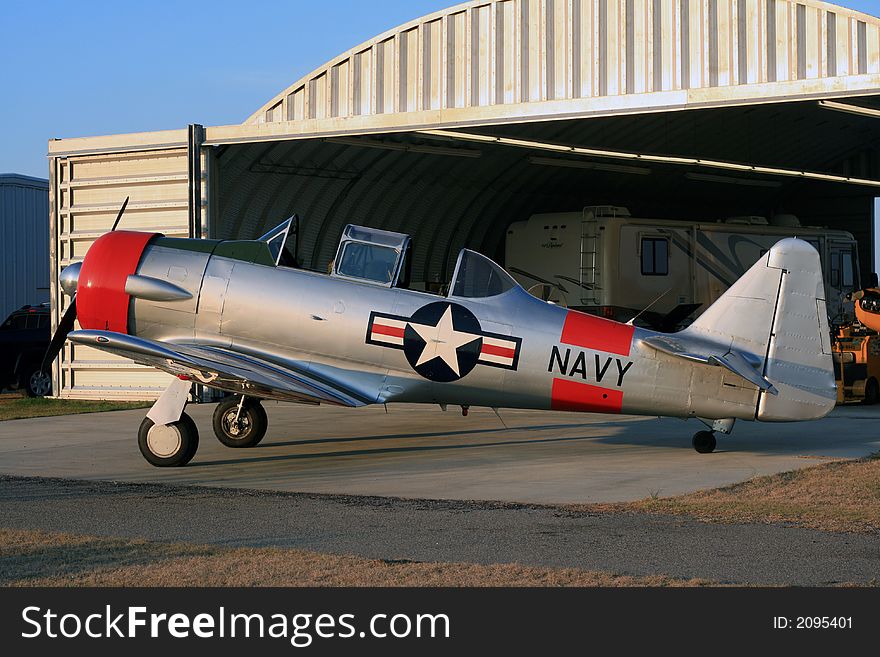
(86, 194)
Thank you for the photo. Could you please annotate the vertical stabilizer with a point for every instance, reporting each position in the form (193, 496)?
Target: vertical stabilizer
(776, 313)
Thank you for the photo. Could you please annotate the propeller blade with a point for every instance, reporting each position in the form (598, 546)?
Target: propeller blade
(119, 216)
(65, 326)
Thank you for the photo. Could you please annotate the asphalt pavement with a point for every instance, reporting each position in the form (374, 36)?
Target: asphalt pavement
(451, 531)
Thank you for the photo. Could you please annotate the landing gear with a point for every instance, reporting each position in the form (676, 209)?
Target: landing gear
(704, 442)
(240, 421)
(169, 445)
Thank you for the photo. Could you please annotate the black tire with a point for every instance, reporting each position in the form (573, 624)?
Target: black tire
(872, 392)
(704, 442)
(252, 423)
(160, 450)
(36, 382)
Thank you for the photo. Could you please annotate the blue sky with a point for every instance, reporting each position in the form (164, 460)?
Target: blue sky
(89, 67)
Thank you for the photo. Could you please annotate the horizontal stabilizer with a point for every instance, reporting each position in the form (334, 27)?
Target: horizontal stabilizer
(736, 363)
(710, 353)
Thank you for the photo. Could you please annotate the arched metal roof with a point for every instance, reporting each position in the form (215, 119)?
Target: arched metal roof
(522, 59)
(344, 143)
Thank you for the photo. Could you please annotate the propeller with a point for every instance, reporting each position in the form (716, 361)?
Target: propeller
(119, 216)
(69, 278)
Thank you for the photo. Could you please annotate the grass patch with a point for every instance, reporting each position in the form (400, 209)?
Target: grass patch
(842, 496)
(17, 409)
(38, 558)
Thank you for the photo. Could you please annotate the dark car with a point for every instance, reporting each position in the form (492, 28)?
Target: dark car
(24, 337)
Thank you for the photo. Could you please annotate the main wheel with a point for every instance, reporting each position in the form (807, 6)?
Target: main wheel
(169, 445)
(704, 442)
(246, 431)
(36, 382)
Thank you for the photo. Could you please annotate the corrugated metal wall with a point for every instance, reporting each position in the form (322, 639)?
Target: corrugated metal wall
(525, 51)
(88, 191)
(24, 242)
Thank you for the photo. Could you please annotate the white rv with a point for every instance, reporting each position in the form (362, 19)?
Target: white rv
(608, 263)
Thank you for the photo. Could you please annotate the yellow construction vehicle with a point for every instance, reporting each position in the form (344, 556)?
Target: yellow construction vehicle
(856, 352)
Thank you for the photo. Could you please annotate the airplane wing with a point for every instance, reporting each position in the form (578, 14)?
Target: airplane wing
(224, 368)
(707, 352)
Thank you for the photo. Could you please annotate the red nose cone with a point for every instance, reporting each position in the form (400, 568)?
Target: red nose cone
(101, 301)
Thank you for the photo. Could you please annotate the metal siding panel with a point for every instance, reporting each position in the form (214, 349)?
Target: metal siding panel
(561, 41)
(831, 44)
(481, 56)
(862, 47)
(812, 61)
(612, 34)
(698, 45)
(89, 190)
(505, 58)
(873, 52)
(433, 65)
(586, 52)
(24, 231)
(296, 105)
(841, 49)
(532, 66)
(408, 92)
(456, 54)
(363, 90)
(783, 41)
(339, 89)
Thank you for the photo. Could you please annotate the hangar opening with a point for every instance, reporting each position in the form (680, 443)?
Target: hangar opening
(458, 125)
(452, 192)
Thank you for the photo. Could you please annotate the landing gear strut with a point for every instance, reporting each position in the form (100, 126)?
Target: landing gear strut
(240, 421)
(704, 442)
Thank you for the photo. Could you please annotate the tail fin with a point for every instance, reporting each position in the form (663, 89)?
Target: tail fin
(776, 312)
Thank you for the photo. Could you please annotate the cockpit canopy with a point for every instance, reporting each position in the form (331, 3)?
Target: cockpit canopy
(376, 256)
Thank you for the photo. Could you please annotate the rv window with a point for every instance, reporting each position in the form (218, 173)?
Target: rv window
(846, 262)
(655, 256)
(834, 274)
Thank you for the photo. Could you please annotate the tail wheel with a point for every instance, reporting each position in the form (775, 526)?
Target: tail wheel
(240, 427)
(169, 445)
(704, 442)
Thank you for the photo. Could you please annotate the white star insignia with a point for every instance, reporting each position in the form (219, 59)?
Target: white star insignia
(443, 341)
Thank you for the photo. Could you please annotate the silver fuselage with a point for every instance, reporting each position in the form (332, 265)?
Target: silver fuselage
(320, 323)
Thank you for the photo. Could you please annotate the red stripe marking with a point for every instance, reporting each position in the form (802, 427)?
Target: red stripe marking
(393, 331)
(506, 352)
(574, 396)
(101, 301)
(591, 332)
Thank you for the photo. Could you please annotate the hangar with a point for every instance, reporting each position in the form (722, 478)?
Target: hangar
(457, 124)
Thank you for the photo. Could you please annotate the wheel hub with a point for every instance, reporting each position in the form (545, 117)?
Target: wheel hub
(236, 428)
(41, 383)
(164, 440)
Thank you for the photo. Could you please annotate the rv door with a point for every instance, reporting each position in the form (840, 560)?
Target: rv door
(841, 277)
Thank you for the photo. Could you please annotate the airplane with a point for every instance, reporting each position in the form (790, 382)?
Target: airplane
(241, 317)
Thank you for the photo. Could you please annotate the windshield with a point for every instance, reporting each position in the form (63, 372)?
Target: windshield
(368, 261)
(276, 238)
(476, 276)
